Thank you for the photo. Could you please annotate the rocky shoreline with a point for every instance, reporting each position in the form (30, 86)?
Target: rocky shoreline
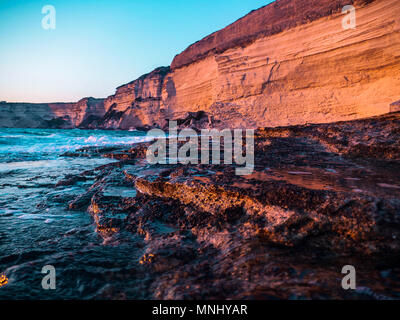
(321, 197)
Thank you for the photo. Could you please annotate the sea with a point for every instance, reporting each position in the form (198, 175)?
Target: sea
(37, 230)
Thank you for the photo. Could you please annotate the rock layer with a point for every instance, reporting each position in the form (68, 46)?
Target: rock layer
(266, 21)
(290, 62)
(138, 103)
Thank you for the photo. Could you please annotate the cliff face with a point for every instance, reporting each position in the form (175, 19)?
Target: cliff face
(53, 115)
(136, 104)
(80, 112)
(308, 69)
(266, 21)
(288, 63)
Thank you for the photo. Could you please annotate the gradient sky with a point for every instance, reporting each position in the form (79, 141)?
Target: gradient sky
(99, 44)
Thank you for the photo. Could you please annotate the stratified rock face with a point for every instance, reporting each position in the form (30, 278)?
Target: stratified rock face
(79, 113)
(53, 115)
(288, 63)
(136, 104)
(266, 21)
(291, 63)
(15, 115)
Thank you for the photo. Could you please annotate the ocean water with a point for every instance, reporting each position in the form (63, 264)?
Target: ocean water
(18, 145)
(35, 231)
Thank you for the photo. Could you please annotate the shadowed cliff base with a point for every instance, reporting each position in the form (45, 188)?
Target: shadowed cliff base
(321, 197)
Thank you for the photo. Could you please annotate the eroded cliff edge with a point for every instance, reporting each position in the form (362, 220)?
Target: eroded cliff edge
(290, 62)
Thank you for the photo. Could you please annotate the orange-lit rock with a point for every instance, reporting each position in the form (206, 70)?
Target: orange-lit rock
(299, 72)
(3, 280)
(290, 62)
(136, 104)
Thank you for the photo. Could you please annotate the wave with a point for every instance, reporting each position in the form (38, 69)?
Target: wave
(107, 140)
(34, 144)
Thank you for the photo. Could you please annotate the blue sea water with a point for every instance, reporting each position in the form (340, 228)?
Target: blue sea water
(18, 145)
(35, 231)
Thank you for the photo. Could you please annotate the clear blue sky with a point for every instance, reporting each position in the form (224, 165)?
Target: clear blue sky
(99, 44)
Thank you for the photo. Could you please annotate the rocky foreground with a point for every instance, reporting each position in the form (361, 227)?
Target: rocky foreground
(321, 197)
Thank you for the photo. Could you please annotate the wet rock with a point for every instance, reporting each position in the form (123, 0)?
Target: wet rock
(71, 180)
(311, 206)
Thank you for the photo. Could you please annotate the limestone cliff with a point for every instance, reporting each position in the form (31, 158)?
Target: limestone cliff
(290, 62)
(50, 115)
(136, 104)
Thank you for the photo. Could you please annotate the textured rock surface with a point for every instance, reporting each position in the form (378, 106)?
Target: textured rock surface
(312, 205)
(395, 106)
(266, 21)
(138, 103)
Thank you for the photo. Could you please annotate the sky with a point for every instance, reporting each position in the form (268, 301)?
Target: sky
(98, 45)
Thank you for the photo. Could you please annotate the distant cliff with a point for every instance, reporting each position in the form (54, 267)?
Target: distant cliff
(290, 62)
(50, 115)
